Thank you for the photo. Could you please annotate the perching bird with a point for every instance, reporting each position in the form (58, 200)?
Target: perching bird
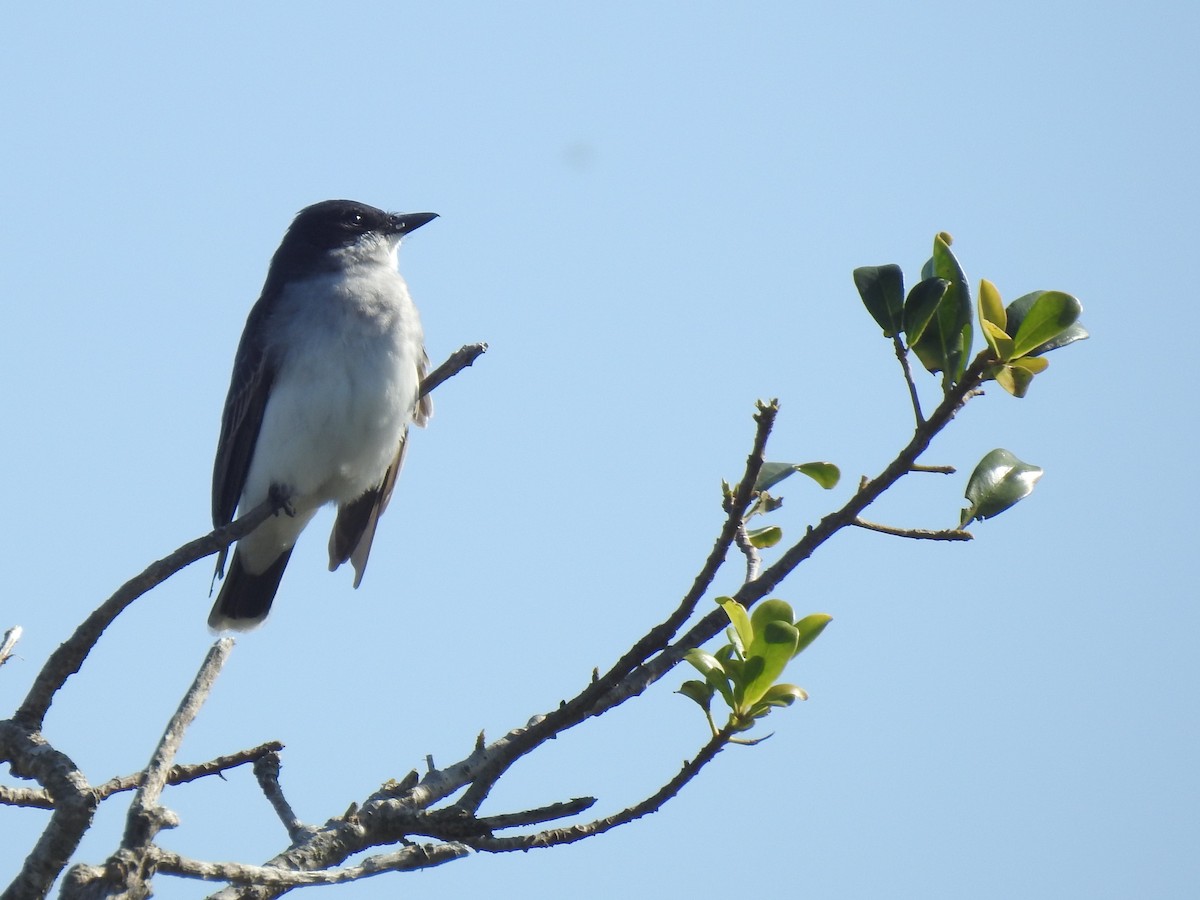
(325, 384)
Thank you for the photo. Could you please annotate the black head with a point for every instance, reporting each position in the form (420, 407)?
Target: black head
(331, 224)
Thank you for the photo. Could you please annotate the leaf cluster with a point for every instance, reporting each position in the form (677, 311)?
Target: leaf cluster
(937, 323)
(745, 671)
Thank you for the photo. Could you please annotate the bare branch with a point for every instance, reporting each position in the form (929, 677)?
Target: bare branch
(266, 770)
(902, 355)
(949, 534)
(573, 833)
(69, 656)
(541, 814)
(39, 798)
(460, 359)
(753, 560)
(272, 878)
(31, 756)
(144, 821)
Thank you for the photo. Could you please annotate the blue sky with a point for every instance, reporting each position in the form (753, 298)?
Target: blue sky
(651, 212)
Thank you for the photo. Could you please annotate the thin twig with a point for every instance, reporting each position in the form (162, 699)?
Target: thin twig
(750, 593)
(144, 820)
(417, 856)
(31, 756)
(937, 470)
(753, 560)
(572, 833)
(66, 660)
(461, 358)
(902, 355)
(266, 770)
(536, 816)
(923, 534)
(39, 798)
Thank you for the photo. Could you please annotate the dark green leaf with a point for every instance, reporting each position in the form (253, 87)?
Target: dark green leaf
(1016, 376)
(713, 672)
(1017, 311)
(999, 481)
(771, 473)
(946, 342)
(1051, 313)
(882, 292)
(920, 305)
(699, 691)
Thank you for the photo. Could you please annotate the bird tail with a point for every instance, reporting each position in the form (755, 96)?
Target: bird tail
(245, 599)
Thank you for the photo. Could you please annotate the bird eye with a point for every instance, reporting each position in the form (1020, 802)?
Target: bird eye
(354, 218)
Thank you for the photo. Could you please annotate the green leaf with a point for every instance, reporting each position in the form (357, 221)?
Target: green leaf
(1022, 306)
(945, 344)
(823, 473)
(1016, 376)
(1051, 314)
(739, 618)
(992, 319)
(713, 672)
(699, 691)
(882, 292)
(780, 695)
(762, 538)
(826, 474)
(704, 661)
(991, 307)
(753, 669)
(920, 305)
(775, 646)
(998, 482)
(809, 629)
(770, 611)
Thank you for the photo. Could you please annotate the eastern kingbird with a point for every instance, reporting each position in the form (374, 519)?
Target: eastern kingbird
(325, 383)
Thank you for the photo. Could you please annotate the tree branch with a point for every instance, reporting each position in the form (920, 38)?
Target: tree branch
(31, 756)
(902, 356)
(572, 833)
(923, 534)
(66, 660)
(270, 881)
(266, 770)
(591, 698)
(39, 798)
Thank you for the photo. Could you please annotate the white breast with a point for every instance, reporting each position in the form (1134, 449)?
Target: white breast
(349, 346)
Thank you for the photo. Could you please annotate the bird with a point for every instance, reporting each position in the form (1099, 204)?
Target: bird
(326, 381)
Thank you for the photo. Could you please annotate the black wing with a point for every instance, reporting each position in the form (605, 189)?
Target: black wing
(249, 388)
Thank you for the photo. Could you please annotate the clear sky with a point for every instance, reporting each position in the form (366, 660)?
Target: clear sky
(651, 212)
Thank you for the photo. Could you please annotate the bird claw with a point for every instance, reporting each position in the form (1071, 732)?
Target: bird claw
(281, 499)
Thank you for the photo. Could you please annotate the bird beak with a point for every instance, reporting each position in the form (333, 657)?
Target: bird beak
(403, 223)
